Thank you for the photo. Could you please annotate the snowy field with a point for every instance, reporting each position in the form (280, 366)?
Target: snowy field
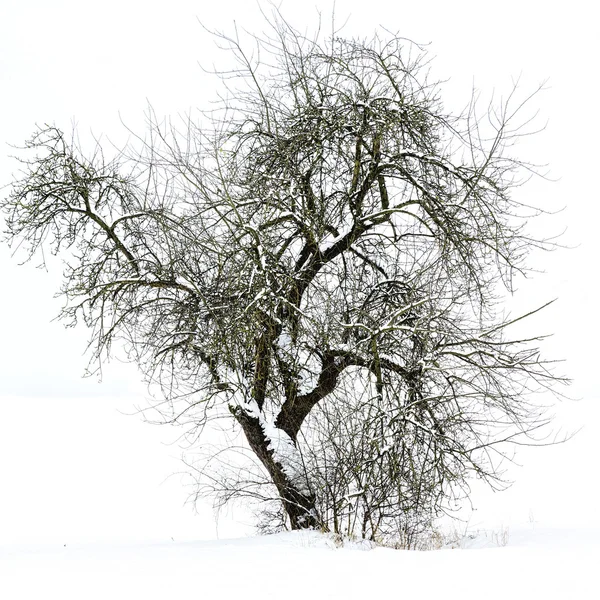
(536, 564)
(88, 511)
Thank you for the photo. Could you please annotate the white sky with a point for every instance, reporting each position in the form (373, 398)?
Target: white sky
(70, 464)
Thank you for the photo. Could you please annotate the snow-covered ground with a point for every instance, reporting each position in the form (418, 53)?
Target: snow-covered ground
(536, 563)
(86, 512)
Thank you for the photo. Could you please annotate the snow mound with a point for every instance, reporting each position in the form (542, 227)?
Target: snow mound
(540, 564)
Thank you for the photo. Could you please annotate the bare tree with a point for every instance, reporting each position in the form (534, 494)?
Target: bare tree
(322, 258)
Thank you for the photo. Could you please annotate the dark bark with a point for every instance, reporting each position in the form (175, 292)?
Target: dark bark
(297, 408)
(299, 506)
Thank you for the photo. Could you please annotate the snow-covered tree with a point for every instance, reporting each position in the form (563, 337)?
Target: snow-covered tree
(320, 255)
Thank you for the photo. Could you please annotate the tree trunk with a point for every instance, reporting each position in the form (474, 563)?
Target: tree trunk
(299, 506)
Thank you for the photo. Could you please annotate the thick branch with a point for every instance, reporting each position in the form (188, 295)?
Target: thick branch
(296, 409)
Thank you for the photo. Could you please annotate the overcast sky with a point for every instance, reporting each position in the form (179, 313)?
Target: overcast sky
(70, 463)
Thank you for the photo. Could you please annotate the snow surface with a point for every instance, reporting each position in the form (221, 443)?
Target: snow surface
(536, 563)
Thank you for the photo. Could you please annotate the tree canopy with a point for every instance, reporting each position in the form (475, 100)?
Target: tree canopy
(321, 255)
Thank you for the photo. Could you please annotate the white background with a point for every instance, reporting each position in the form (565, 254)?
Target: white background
(71, 465)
